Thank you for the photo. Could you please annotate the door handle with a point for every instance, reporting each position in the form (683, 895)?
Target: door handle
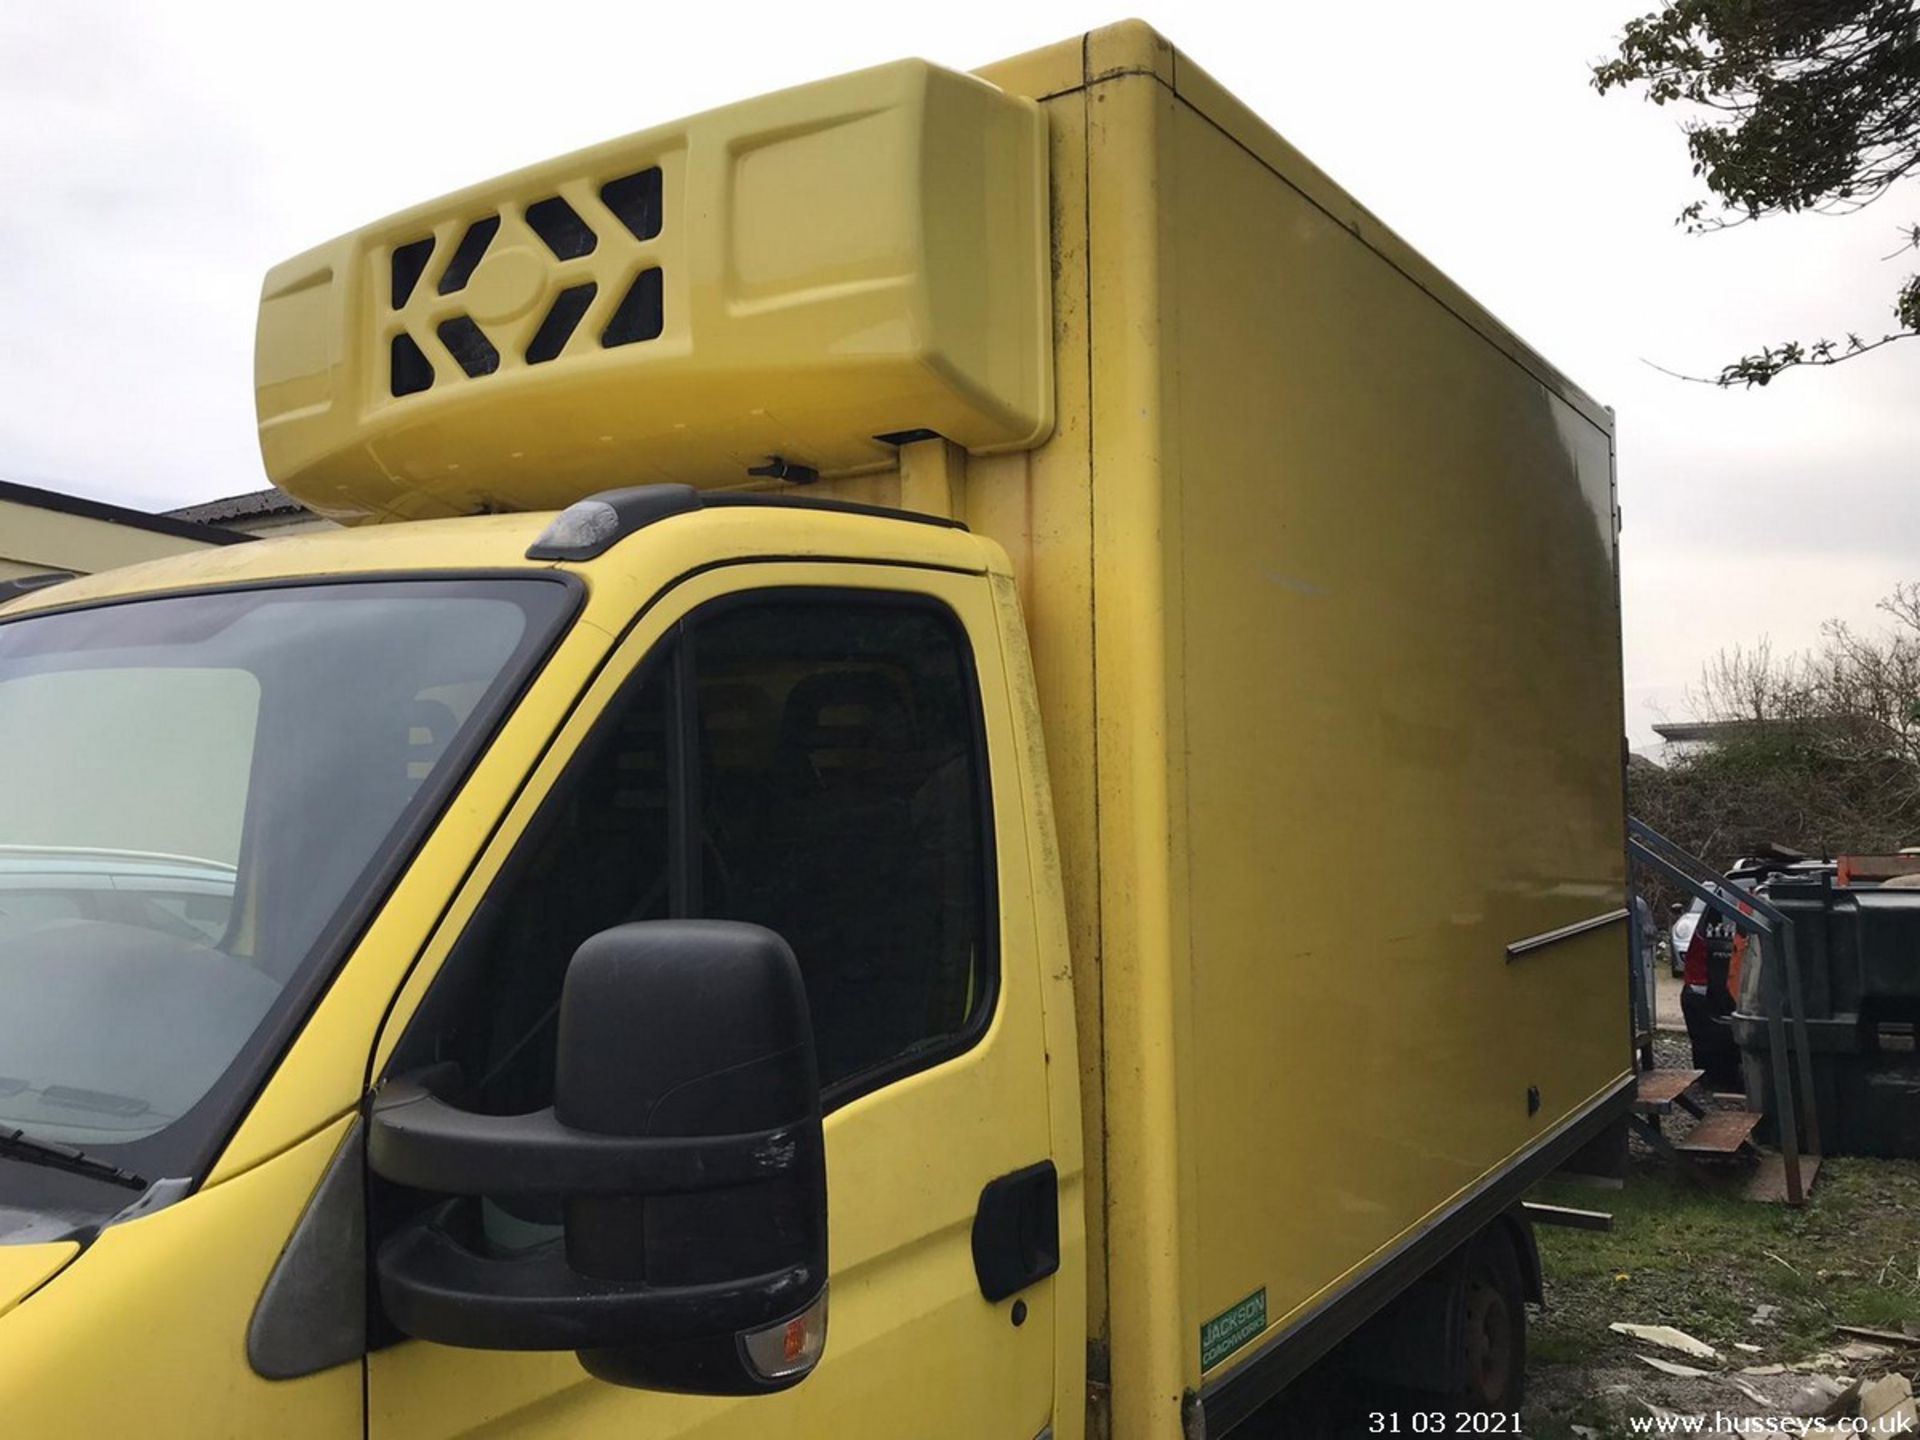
(1016, 1230)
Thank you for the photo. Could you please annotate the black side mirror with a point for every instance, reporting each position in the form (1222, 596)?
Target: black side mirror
(684, 1143)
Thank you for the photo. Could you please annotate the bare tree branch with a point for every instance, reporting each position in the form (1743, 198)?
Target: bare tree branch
(1823, 749)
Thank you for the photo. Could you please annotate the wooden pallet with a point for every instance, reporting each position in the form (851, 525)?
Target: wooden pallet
(1720, 1133)
(1660, 1090)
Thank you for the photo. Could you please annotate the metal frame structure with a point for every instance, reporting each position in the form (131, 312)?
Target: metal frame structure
(1780, 987)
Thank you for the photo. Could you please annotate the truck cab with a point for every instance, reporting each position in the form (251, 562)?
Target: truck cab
(433, 769)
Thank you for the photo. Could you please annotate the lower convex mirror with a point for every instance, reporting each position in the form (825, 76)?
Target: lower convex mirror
(683, 1149)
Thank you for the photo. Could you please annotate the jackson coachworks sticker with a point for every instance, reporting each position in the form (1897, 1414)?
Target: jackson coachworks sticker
(1232, 1328)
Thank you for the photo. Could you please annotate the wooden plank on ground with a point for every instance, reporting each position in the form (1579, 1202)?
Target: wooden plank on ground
(1769, 1181)
(1721, 1132)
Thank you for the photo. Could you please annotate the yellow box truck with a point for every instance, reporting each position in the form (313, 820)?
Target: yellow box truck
(968, 703)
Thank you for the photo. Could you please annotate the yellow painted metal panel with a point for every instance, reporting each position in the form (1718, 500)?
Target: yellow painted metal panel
(1398, 669)
(859, 257)
(1143, 1007)
(1130, 47)
(1059, 1004)
(1127, 47)
(1038, 505)
(25, 1268)
(1133, 47)
(145, 1333)
(1043, 73)
(933, 478)
(1207, 96)
(1145, 1088)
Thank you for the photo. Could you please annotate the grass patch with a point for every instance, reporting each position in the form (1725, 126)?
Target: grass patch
(1685, 1255)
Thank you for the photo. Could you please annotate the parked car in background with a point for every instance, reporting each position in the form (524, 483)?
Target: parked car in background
(1708, 955)
(188, 898)
(1704, 946)
(1680, 935)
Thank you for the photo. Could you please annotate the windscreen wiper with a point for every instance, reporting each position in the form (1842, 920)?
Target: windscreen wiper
(19, 1145)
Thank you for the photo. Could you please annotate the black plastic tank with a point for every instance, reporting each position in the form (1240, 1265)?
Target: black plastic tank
(1857, 941)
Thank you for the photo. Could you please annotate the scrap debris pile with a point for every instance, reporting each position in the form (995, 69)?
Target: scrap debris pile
(1862, 1385)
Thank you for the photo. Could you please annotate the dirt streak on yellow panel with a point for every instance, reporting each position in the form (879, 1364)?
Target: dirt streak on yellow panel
(1137, 587)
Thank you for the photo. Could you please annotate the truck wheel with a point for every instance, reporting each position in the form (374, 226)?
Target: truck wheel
(1493, 1326)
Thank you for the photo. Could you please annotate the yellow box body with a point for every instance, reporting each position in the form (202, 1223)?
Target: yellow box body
(1319, 572)
(1317, 568)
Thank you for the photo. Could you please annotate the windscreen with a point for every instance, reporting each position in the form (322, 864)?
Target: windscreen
(201, 792)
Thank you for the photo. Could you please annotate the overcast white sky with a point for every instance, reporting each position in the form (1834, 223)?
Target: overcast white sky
(157, 157)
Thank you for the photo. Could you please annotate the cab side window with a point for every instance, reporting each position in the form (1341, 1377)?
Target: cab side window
(810, 761)
(841, 796)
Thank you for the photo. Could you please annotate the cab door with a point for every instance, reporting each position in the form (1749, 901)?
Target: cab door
(827, 750)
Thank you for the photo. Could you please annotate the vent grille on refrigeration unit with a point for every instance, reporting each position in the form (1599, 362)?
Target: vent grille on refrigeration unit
(632, 216)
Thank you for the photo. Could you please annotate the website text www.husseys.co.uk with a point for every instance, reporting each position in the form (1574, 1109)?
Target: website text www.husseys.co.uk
(1893, 1424)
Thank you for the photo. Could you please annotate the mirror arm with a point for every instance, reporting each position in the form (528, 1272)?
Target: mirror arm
(416, 1139)
(435, 1288)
